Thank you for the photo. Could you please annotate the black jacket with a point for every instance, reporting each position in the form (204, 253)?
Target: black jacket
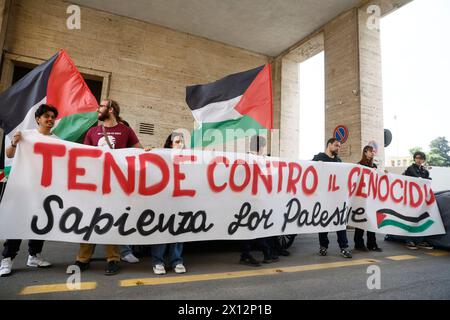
(325, 158)
(417, 171)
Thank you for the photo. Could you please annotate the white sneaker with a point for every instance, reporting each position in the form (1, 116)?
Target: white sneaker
(159, 269)
(6, 266)
(130, 258)
(179, 268)
(38, 261)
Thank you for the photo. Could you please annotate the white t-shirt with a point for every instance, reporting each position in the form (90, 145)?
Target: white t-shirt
(37, 131)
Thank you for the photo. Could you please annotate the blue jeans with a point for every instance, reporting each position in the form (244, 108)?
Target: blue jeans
(125, 250)
(175, 251)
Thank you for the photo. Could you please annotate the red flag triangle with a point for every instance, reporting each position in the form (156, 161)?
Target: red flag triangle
(256, 102)
(67, 89)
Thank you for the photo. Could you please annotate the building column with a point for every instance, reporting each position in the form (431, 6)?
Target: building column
(353, 84)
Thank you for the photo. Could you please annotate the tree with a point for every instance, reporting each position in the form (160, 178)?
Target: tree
(439, 153)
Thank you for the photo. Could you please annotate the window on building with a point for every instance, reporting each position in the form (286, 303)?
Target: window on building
(21, 70)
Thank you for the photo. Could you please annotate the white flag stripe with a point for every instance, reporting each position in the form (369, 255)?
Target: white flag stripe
(218, 111)
(29, 122)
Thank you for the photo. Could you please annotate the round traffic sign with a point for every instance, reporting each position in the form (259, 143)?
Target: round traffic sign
(387, 137)
(341, 133)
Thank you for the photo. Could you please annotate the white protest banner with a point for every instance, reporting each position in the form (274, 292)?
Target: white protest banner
(64, 191)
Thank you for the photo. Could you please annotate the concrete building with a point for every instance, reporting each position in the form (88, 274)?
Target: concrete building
(404, 161)
(144, 53)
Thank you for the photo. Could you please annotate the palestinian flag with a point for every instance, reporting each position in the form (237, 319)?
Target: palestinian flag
(240, 102)
(56, 82)
(388, 217)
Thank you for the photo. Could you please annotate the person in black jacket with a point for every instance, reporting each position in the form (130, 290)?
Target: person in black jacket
(331, 155)
(418, 170)
(366, 160)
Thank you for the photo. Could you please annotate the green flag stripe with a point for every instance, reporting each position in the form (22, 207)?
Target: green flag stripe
(73, 127)
(411, 229)
(217, 132)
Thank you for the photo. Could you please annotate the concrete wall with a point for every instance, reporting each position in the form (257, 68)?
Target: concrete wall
(149, 66)
(4, 15)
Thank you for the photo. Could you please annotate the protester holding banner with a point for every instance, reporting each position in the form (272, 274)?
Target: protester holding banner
(331, 155)
(266, 245)
(174, 141)
(45, 116)
(418, 170)
(367, 161)
(126, 253)
(112, 134)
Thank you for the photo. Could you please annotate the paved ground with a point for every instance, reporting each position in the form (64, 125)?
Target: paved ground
(213, 273)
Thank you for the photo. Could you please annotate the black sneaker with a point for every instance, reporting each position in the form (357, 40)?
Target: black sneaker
(323, 251)
(82, 265)
(363, 249)
(270, 259)
(411, 245)
(250, 261)
(346, 254)
(376, 249)
(425, 245)
(284, 253)
(112, 268)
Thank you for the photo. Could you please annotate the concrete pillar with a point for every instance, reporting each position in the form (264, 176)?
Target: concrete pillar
(285, 105)
(289, 116)
(371, 87)
(353, 85)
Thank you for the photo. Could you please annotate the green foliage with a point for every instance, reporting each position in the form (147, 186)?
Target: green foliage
(439, 153)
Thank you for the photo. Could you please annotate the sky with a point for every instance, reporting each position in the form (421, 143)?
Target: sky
(312, 106)
(415, 44)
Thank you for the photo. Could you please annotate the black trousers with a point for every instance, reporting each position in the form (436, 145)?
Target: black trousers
(262, 243)
(11, 247)
(359, 240)
(341, 239)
